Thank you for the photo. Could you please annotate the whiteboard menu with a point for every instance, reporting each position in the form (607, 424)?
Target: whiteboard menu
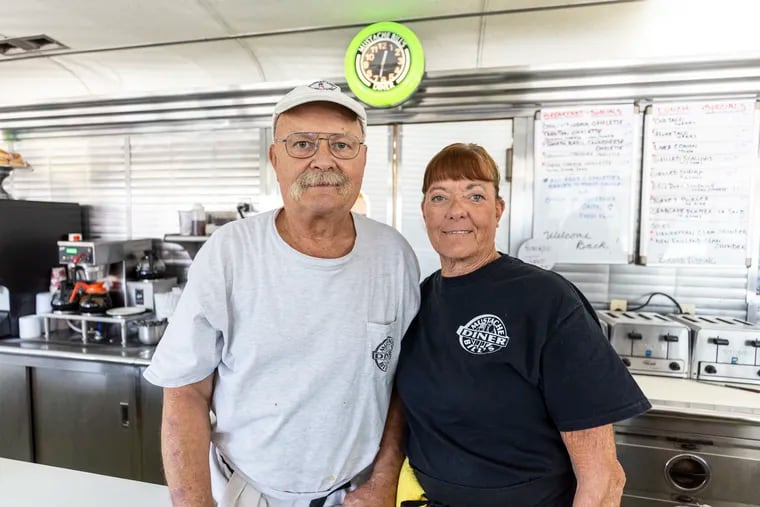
(700, 160)
(584, 177)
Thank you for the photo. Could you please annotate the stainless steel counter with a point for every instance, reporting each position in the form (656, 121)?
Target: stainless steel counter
(60, 345)
(699, 398)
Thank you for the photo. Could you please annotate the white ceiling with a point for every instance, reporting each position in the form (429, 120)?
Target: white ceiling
(283, 41)
(91, 24)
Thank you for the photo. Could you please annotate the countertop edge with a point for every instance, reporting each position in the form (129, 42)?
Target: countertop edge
(60, 354)
(701, 412)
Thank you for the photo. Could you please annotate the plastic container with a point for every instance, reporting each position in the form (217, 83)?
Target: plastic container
(185, 222)
(29, 326)
(164, 303)
(199, 220)
(42, 302)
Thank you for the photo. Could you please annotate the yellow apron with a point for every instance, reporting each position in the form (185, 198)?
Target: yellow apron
(409, 490)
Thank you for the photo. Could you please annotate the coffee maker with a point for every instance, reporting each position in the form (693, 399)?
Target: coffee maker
(27, 228)
(110, 262)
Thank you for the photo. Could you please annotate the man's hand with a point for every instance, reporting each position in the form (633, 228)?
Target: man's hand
(380, 489)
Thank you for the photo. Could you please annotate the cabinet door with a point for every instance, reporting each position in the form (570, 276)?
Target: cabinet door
(15, 414)
(151, 401)
(86, 420)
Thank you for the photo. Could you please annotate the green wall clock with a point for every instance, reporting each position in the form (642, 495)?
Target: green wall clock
(384, 64)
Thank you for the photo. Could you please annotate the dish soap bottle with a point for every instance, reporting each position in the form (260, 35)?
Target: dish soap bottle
(199, 220)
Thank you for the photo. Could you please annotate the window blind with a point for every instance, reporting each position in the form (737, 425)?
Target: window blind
(135, 183)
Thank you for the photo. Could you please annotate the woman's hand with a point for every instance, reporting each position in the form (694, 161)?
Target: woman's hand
(373, 493)
(597, 470)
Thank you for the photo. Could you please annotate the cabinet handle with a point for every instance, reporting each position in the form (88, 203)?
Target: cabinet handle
(124, 409)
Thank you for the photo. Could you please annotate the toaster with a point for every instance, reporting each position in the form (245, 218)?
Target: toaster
(649, 343)
(724, 348)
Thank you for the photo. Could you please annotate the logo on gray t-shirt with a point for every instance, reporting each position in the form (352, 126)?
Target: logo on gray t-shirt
(383, 353)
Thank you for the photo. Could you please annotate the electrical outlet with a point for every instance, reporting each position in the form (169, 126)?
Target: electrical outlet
(618, 305)
(689, 308)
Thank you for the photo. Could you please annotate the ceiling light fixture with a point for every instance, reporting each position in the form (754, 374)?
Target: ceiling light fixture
(25, 45)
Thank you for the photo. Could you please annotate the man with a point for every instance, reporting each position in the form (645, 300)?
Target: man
(289, 331)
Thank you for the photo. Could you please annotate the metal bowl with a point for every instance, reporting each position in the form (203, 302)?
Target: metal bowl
(149, 332)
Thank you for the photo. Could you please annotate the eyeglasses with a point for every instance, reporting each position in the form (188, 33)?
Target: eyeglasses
(306, 144)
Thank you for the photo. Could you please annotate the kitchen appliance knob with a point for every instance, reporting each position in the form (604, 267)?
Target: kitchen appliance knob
(758, 373)
(687, 472)
(674, 366)
(710, 369)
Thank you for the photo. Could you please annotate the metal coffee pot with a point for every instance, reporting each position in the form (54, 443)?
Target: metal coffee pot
(150, 267)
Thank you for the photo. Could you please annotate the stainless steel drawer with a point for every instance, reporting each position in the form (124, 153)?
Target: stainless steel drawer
(711, 474)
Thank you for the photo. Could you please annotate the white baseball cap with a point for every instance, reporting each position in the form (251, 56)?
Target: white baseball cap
(318, 91)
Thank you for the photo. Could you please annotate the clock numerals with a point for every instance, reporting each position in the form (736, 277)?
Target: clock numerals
(383, 64)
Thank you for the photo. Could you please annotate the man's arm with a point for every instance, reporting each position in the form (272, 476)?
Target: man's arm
(185, 441)
(380, 489)
(597, 470)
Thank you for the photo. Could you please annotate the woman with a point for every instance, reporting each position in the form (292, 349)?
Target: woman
(508, 384)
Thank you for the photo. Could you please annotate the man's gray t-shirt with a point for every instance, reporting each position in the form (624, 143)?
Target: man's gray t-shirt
(305, 349)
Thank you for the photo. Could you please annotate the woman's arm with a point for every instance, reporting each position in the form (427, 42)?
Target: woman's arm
(597, 470)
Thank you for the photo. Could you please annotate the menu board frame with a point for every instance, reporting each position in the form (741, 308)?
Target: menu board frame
(697, 229)
(610, 214)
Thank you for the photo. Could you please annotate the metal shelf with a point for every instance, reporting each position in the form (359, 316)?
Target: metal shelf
(191, 244)
(84, 318)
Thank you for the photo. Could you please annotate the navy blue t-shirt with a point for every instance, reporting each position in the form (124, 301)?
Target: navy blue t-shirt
(494, 366)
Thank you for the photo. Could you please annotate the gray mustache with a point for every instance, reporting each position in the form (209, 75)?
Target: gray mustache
(316, 177)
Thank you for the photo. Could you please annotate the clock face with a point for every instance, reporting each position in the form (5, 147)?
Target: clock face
(383, 62)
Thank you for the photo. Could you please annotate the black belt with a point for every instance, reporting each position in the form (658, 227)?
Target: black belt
(555, 491)
(319, 502)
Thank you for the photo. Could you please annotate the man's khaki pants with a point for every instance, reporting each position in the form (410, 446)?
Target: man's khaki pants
(239, 493)
(232, 490)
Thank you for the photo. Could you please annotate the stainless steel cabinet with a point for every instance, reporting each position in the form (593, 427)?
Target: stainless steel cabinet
(15, 414)
(681, 459)
(81, 414)
(85, 418)
(151, 403)
(645, 501)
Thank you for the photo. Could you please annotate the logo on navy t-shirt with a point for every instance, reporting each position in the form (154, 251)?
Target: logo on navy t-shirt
(383, 353)
(485, 334)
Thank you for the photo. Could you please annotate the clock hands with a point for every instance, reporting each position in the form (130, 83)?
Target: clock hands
(384, 80)
(382, 62)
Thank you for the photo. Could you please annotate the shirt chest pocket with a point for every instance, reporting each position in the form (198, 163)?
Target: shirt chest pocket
(383, 345)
